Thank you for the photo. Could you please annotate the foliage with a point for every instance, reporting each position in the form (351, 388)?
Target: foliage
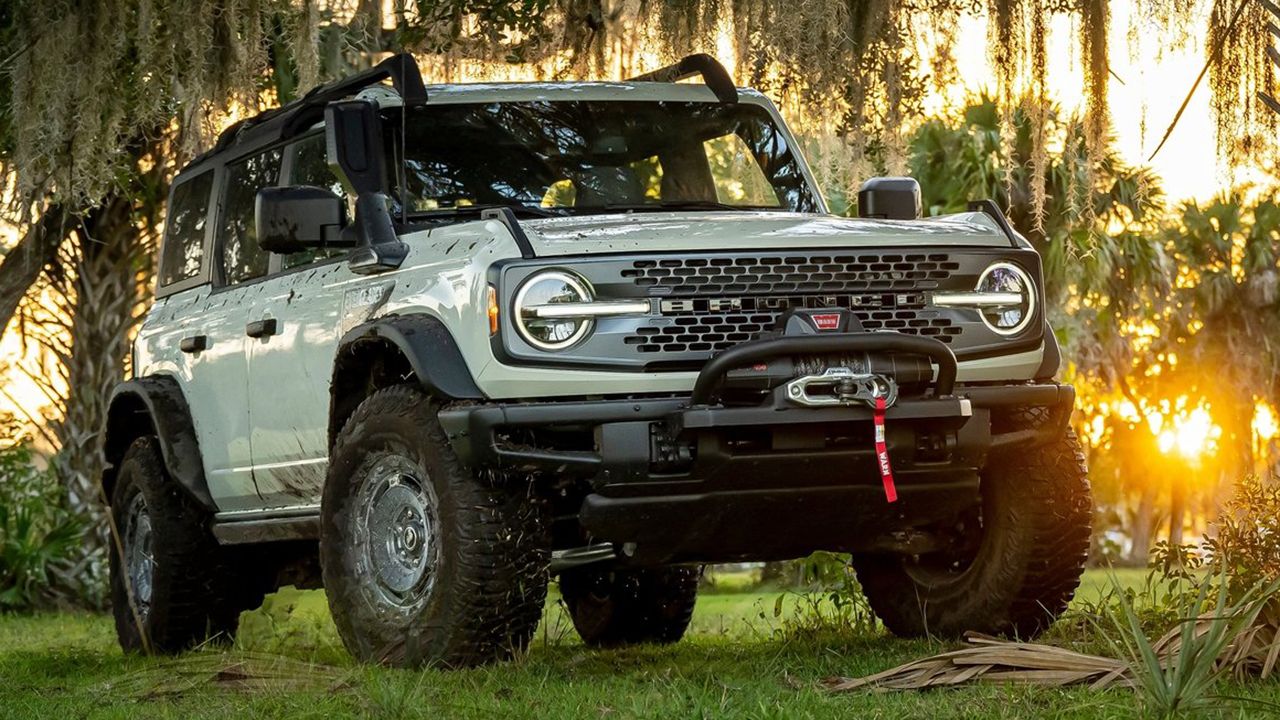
(1157, 600)
(1246, 546)
(283, 622)
(965, 157)
(35, 531)
(1181, 676)
(853, 66)
(829, 602)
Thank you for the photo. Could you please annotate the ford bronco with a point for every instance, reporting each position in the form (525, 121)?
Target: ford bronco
(428, 347)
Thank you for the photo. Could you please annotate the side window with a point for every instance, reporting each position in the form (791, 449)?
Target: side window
(242, 258)
(737, 175)
(183, 253)
(311, 167)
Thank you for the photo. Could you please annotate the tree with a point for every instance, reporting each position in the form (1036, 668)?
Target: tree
(101, 101)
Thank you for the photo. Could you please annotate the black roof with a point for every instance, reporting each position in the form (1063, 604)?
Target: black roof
(284, 122)
(288, 120)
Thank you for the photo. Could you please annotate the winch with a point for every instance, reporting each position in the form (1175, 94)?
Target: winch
(829, 380)
(842, 386)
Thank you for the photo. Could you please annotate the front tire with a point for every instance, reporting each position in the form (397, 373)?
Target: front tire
(172, 585)
(615, 607)
(1023, 566)
(424, 563)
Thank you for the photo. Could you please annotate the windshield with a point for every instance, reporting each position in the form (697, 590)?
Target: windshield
(591, 156)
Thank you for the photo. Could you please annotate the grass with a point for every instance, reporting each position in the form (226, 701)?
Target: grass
(736, 662)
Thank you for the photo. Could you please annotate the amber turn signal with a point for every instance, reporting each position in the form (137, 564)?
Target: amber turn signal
(493, 310)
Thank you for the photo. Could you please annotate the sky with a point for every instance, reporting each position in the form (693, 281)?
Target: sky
(1143, 100)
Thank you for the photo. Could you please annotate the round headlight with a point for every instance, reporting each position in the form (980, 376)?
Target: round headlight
(1008, 278)
(544, 330)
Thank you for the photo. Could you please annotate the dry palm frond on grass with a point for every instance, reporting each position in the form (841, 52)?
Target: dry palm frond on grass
(239, 672)
(1253, 654)
(1251, 650)
(996, 661)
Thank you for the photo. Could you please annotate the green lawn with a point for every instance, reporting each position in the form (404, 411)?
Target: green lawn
(737, 662)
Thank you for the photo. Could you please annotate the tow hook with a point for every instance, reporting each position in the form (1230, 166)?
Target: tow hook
(842, 386)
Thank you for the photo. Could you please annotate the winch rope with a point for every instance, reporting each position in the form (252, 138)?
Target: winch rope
(882, 453)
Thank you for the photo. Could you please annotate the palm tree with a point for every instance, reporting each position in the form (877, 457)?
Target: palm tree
(1106, 268)
(1090, 233)
(1224, 308)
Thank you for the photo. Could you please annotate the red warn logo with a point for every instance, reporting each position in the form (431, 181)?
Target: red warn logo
(826, 321)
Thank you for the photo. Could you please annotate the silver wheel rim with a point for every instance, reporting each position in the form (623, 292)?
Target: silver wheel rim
(140, 561)
(399, 526)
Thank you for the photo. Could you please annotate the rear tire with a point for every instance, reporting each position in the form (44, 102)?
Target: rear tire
(181, 582)
(612, 607)
(1036, 520)
(424, 563)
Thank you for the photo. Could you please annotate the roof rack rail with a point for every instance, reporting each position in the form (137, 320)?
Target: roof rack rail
(300, 114)
(712, 72)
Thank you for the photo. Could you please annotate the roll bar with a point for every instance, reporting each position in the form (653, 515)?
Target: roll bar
(712, 72)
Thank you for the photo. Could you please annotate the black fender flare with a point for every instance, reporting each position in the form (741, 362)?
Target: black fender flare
(1052, 360)
(427, 346)
(155, 405)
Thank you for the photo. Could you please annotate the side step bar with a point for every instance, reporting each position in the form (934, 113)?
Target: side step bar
(260, 526)
(303, 523)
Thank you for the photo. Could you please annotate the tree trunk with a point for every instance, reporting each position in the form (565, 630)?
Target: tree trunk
(102, 288)
(1177, 509)
(23, 264)
(1143, 522)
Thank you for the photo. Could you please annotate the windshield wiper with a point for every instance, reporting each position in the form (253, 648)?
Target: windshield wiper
(517, 208)
(660, 205)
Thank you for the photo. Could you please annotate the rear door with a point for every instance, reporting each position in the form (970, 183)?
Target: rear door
(220, 401)
(193, 336)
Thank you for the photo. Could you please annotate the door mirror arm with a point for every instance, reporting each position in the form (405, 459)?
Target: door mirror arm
(353, 138)
(378, 247)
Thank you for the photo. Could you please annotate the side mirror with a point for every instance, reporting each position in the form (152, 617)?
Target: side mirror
(291, 219)
(892, 198)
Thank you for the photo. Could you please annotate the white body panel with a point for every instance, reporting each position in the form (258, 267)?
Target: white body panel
(289, 375)
(214, 382)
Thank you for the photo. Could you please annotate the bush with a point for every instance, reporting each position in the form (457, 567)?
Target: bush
(36, 531)
(829, 602)
(1246, 547)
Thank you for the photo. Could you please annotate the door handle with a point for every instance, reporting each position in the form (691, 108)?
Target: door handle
(194, 344)
(262, 328)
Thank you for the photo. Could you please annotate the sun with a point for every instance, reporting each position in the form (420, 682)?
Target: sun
(1192, 435)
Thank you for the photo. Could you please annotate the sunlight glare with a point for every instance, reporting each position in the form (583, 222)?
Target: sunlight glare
(1192, 435)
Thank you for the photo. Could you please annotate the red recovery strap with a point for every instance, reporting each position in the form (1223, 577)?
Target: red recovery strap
(882, 454)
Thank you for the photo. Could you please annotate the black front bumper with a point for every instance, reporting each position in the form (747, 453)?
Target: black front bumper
(677, 480)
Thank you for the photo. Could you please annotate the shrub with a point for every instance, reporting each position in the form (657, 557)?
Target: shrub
(36, 531)
(1246, 547)
(830, 601)
(1179, 673)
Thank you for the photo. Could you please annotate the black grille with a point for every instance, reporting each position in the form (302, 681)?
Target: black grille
(749, 294)
(773, 274)
(700, 330)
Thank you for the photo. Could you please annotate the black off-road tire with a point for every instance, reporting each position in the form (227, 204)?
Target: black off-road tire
(614, 607)
(489, 581)
(195, 595)
(1037, 516)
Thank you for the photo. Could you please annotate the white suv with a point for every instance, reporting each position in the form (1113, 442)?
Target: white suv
(606, 331)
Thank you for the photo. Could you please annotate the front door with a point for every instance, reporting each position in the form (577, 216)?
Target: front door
(297, 324)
